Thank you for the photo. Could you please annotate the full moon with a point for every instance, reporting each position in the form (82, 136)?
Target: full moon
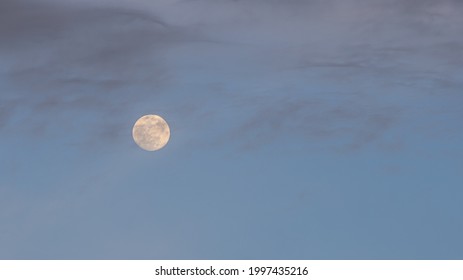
(151, 132)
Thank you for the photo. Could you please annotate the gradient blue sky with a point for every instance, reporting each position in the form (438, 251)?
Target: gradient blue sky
(300, 129)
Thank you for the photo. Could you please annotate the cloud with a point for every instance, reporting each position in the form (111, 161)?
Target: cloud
(92, 60)
(63, 63)
(57, 46)
(344, 126)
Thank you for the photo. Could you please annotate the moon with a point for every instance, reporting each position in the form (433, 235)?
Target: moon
(151, 132)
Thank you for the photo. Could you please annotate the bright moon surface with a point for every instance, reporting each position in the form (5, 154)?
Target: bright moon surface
(151, 132)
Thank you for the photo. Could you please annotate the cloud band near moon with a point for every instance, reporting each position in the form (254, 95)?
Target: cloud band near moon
(335, 82)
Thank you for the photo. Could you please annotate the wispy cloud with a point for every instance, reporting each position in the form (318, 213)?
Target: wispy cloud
(60, 61)
(87, 59)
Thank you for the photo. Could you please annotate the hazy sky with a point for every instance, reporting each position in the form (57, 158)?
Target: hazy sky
(317, 129)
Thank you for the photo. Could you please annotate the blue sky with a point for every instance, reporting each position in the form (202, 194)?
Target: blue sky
(299, 129)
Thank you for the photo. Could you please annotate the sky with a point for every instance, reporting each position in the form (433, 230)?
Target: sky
(299, 129)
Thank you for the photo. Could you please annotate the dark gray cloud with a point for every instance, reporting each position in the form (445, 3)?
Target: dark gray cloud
(58, 46)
